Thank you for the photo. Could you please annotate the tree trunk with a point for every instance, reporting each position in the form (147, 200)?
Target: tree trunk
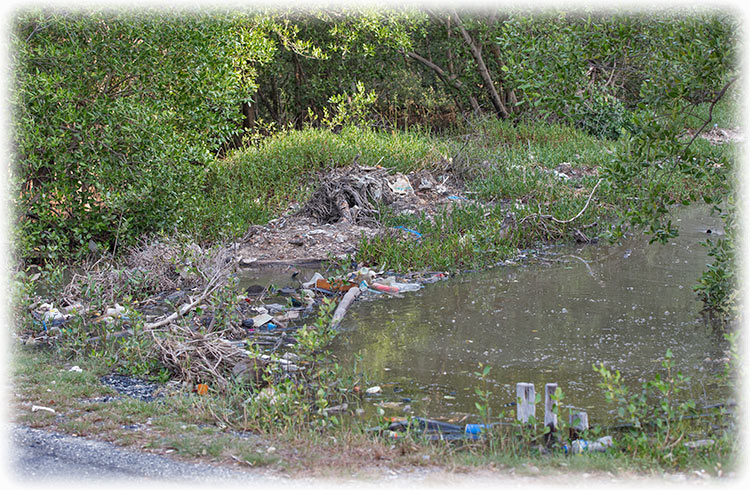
(447, 78)
(249, 115)
(476, 52)
(508, 97)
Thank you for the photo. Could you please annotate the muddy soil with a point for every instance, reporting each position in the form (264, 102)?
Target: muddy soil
(355, 199)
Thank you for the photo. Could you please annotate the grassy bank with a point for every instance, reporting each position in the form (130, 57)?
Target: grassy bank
(259, 183)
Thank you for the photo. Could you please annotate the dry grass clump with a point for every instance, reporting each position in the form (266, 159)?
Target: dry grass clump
(151, 267)
(198, 357)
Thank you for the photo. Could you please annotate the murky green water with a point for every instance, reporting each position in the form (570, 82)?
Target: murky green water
(548, 321)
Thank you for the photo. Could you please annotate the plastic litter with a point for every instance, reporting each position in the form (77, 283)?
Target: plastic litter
(401, 185)
(385, 288)
(699, 444)
(248, 323)
(413, 232)
(321, 284)
(363, 274)
(474, 429)
(261, 319)
(313, 281)
(391, 286)
(52, 315)
(114, 312)
(346, 301)
(37, 408)
(407, 286)
(581, 446)
(336, 409)
(436, 430)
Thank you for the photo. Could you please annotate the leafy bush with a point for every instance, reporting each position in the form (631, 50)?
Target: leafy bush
(658, 417)
(602, 116)
(717, 287)
(114, 117)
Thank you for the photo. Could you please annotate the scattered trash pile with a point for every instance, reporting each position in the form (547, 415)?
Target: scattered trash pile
(344, 207)
(208, 343)
(435, 430)
(566, 171)
(209, 339)
(271, 324)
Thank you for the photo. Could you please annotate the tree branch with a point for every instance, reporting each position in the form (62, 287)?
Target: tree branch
(447, 78)
(476, 52)
(710, 112)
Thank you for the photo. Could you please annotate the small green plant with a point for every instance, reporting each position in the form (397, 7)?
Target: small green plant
(313, 339)
(349, 109)
(297, 398)
(483, 393)
(717, 286)
(657, 418)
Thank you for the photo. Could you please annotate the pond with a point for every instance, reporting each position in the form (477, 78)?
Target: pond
(543, 320)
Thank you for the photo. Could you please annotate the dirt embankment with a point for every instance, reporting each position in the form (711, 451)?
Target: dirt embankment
(345, 207)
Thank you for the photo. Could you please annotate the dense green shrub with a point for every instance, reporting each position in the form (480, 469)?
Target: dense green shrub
(114, 116)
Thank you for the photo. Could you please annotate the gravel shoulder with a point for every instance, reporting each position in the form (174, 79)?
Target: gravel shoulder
(39, 456)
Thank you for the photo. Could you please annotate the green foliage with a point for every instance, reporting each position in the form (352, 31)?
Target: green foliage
(350, 109)
(483, 406)
(464, 237)
(114, 116)
(718, 286)
(118, 117)
(602, 116)
(356, 45)
(659, 163)
(300, 399)
(659, 419)
(571, 67)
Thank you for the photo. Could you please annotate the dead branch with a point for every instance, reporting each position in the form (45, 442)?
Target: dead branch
(715, 101)
(565, 221)
(350, 194)
(213, 283)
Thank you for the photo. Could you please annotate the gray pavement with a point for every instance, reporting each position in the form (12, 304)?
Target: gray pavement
(38, 456)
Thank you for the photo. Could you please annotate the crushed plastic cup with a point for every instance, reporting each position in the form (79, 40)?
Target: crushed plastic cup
(582, 446)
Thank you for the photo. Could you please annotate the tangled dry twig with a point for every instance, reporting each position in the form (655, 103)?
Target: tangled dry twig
(149, 268)
(196, 357)
(349, 194)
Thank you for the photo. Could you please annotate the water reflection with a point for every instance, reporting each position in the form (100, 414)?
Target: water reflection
(545, 322)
